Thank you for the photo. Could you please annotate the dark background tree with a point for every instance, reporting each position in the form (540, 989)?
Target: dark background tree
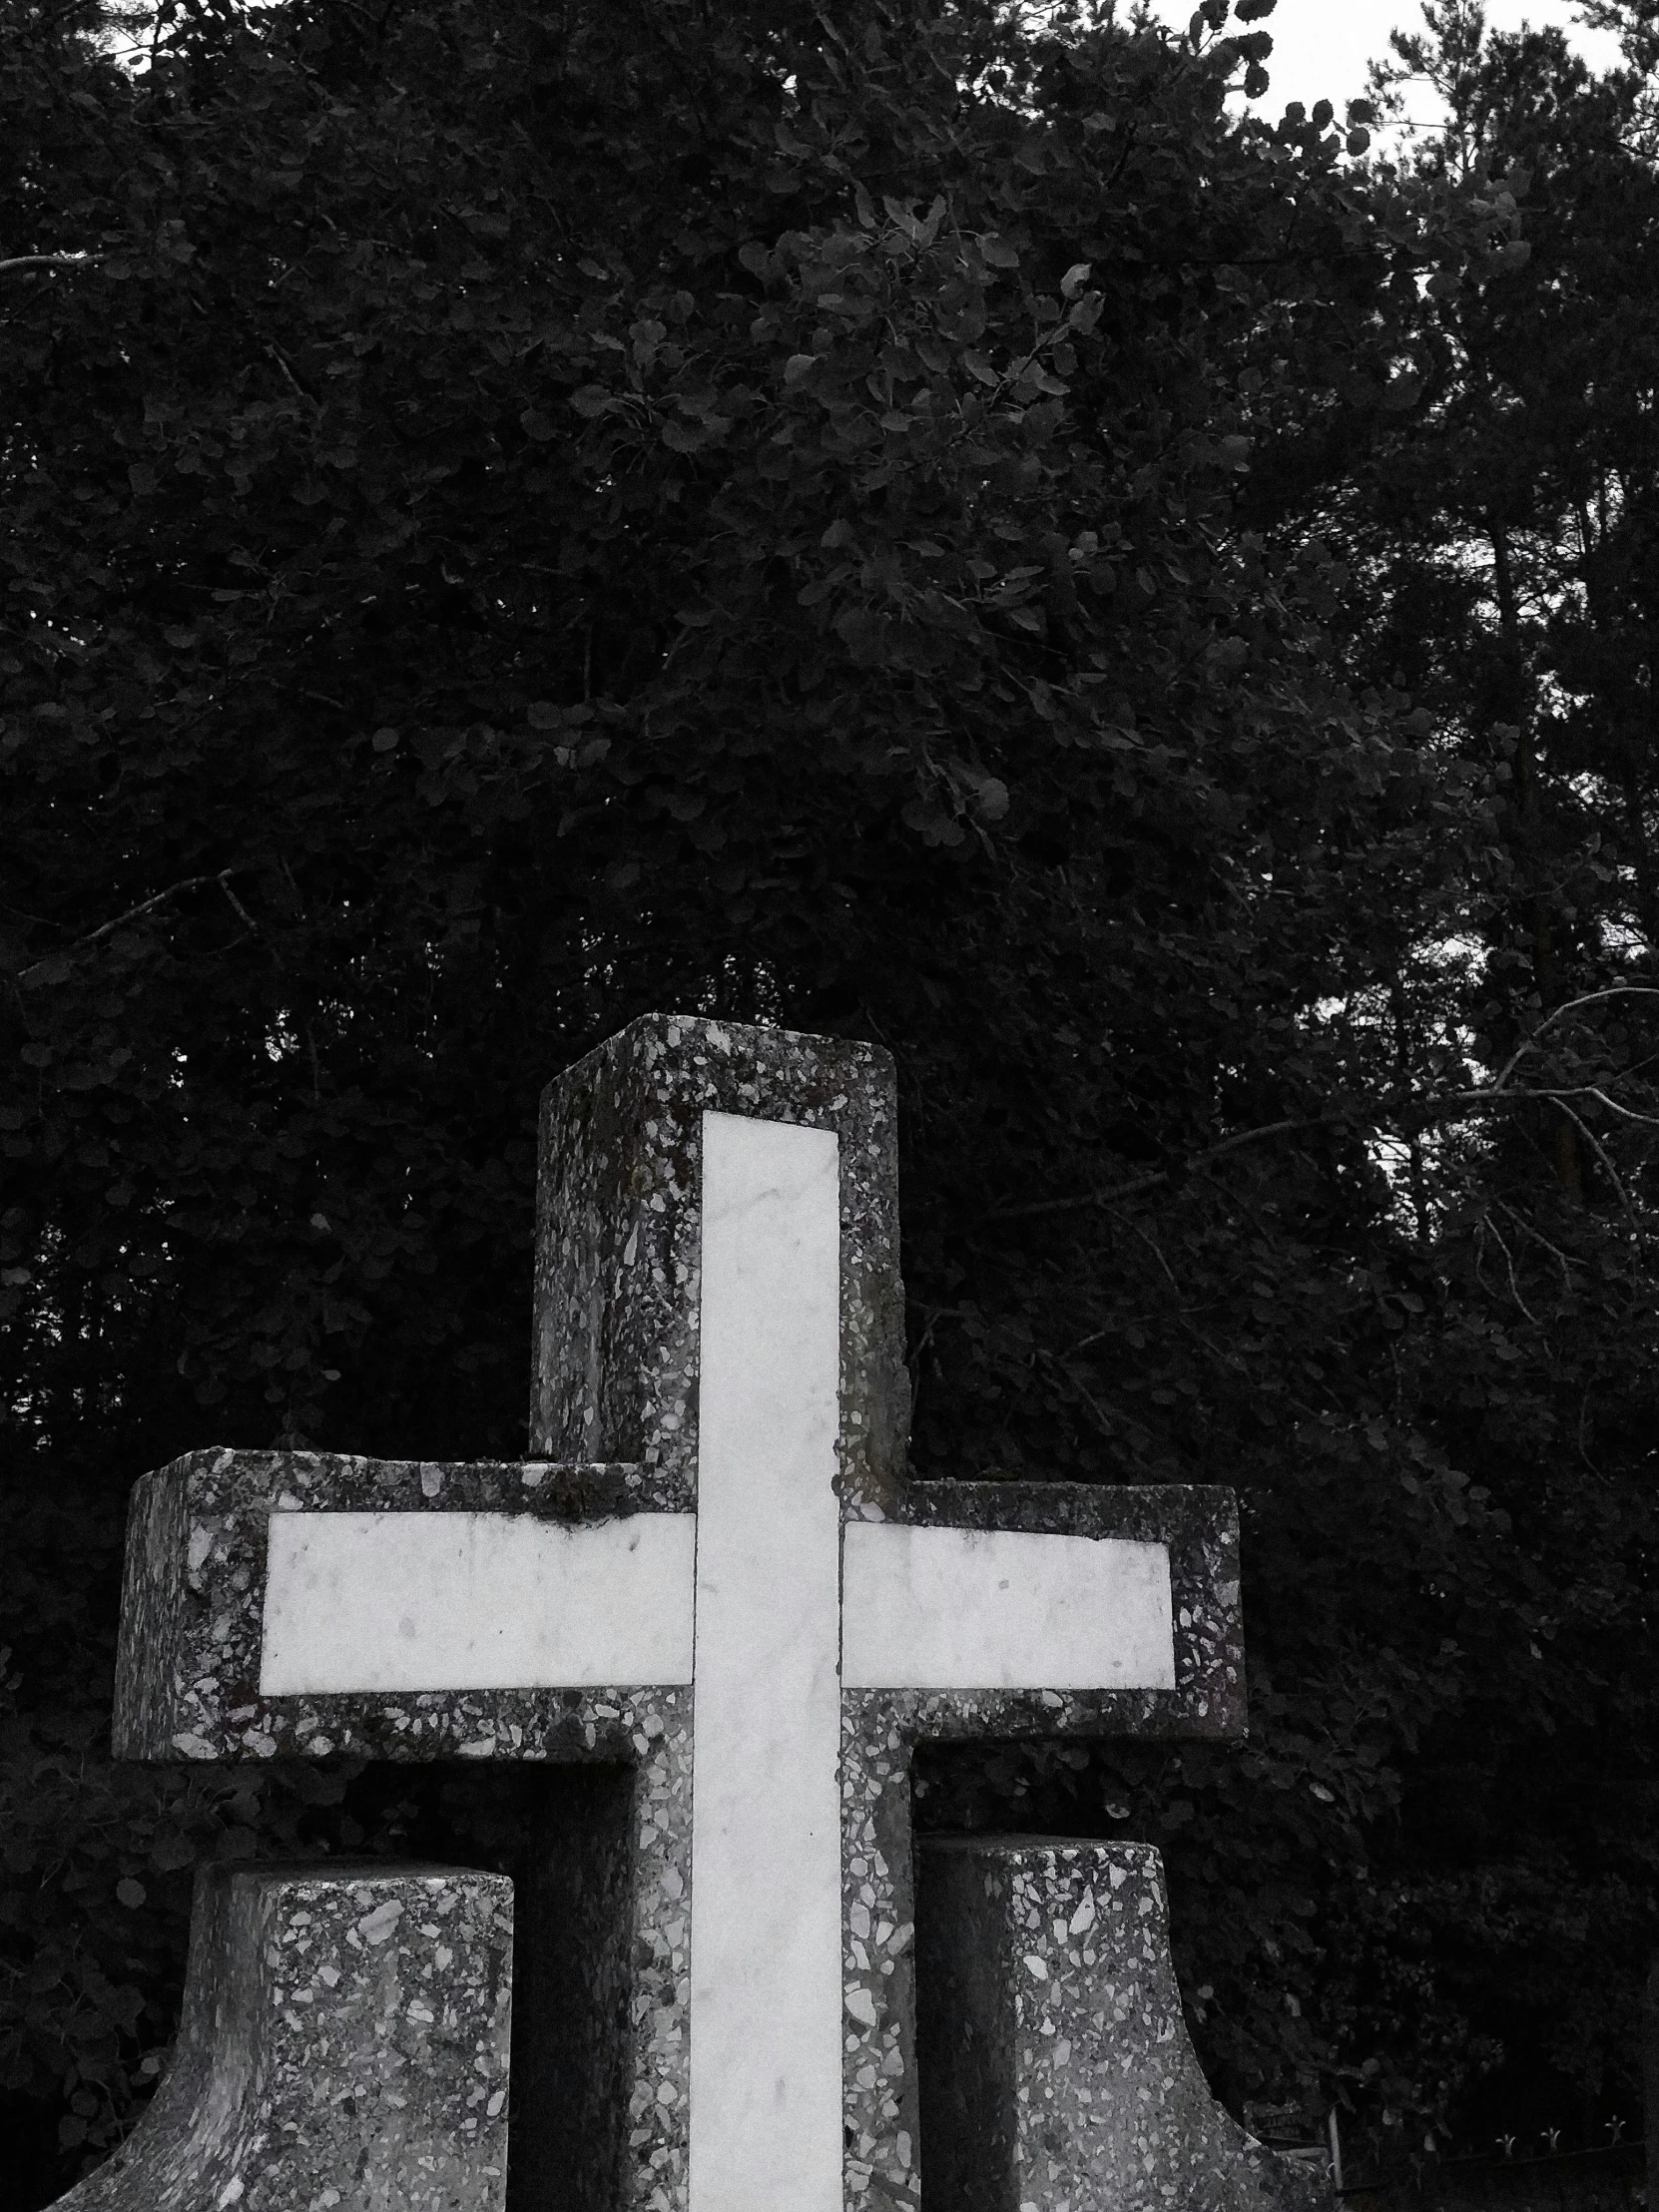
(893, 521)
(1494, 504)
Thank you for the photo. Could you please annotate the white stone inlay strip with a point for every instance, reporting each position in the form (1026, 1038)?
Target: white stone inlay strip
(766, 1995)
(475, 1601)
(994, 1609)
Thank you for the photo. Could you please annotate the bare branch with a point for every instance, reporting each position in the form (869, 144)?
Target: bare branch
(1457, 1102)
(236, 904)
(1601, 1152)
(1493, 1230)
(1527, 1229)
(1567, 1006)
(1625, 1113)
(1107, 1426)
(275, 352)
(1161, 1174)
(1407, 1114)
(48, 261)
(157, 898)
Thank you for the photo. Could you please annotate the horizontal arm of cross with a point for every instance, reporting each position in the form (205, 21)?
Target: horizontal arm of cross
(1168, 1564)
(276, 1598)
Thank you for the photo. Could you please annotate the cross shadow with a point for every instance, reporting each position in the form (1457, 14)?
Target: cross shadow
(563, 1835)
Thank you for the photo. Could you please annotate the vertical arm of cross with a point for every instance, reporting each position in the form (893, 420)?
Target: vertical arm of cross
(615, 1359)
(718, 1293)
(718, 1208)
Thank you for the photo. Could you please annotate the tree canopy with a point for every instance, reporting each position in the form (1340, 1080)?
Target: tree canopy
(903, 520)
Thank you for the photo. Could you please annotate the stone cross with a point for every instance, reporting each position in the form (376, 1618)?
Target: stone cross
(714, 1574)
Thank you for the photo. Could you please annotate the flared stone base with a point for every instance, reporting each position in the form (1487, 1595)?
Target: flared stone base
(344, 2044)
(1056, 2072)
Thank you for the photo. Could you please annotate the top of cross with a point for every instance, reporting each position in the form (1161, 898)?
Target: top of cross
(616, 1357)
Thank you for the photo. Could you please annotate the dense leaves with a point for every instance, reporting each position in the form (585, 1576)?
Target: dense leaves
(889, 521)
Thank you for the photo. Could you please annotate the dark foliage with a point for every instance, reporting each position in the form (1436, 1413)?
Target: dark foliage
(883, 520)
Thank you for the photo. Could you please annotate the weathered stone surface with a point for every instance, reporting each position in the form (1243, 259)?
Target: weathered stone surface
(475, 1601)
(882, 1728)
(344, 2044)
(618, 1239)
(190, 1669)
(188, 1679)
(1000, 1609)
(1056, 2071)
(188, 1688)
(745, 1353)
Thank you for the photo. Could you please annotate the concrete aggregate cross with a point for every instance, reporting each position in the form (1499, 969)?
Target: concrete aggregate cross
(714, 1574)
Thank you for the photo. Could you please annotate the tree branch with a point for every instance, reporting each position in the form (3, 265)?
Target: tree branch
(1408, 1113)
(1567, 1006)
(1600, 1150)
(48, 261)
(173, 891)
(1160, 1175)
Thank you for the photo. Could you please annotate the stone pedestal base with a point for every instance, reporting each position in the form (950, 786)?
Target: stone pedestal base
(1056, 2073)
(343, 2045)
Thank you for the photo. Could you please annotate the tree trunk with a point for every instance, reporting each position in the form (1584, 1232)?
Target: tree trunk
(1561, 1139)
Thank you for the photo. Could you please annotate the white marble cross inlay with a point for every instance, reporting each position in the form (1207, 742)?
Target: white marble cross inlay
(769, 1609)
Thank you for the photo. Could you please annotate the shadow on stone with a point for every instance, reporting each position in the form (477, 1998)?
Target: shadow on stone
(1056, 2075)
(572, 2065)
(564, 1835)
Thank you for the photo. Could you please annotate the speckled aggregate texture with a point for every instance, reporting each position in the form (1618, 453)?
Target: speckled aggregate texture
(344, 2044)
(1056, 2071)
(188, 1689)
(192, 1608)
(616, 1373)
(880, 1729)
(618, 1239)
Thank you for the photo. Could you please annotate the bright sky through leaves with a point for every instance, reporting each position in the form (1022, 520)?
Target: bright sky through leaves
(1321, 48)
